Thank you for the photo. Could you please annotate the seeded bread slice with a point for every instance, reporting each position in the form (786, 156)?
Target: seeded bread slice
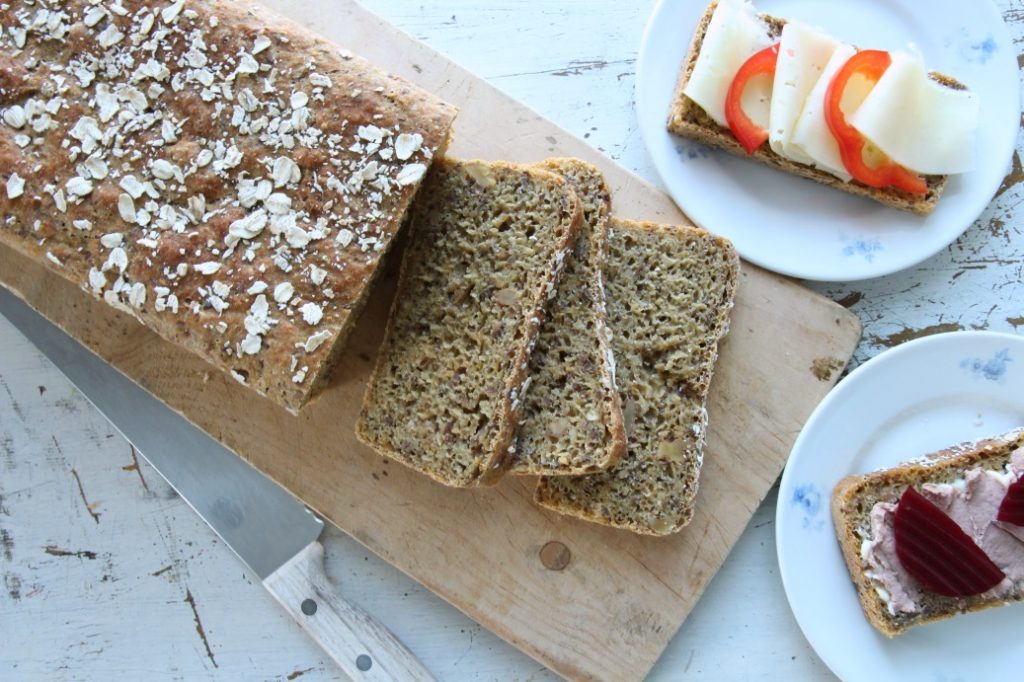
(220, 173)
(854, 497)
(670, 291)
(688, 119)
(572, 422)
(488, 243)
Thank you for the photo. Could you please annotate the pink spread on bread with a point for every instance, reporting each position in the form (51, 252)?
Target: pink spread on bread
(972, 502)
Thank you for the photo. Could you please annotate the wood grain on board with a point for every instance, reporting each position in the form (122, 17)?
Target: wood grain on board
(587, 601)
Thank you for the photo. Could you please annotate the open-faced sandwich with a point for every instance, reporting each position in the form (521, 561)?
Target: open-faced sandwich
(864, 121)
(937, 536)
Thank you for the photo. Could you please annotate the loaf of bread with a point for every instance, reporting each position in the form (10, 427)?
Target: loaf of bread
(862, 510)
(572, 421)
(688, 119)
(219, 173)
(669, 294)
(488, 243)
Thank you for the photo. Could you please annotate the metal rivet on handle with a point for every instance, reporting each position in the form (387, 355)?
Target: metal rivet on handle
(308, 607)
(364, 662)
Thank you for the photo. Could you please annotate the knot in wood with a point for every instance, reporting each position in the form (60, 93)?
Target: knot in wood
(555, 556)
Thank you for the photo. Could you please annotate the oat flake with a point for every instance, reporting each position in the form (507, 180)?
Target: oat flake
(312, 313)
(410, 174)
(15, 186)
(283, 292)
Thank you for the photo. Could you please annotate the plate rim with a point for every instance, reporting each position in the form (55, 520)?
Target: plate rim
(852, 382)
(1006, 136)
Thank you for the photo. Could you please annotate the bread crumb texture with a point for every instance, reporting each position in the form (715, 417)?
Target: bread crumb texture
(669, 293)
(572, 423)
(488, 242)
(216, 172)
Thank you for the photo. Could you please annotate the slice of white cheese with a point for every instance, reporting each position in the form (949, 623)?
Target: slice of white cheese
(920, 124)
(811, 136)
(734, 33)
(804, 52)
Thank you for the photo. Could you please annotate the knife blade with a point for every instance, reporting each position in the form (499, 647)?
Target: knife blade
(271, 531)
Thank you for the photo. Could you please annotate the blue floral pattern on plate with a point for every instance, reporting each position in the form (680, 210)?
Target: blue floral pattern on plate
(979, 51)
(866, 248)
(993, 369)
(688, 150)
(808, 499)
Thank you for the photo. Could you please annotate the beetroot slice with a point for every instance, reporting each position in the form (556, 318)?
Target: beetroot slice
(1011, 510)
(937, 553)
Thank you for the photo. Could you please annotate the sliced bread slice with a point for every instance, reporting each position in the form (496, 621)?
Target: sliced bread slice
(572, 422)
(670, 291)
(688, 119)
(893, 607)
(488, 242)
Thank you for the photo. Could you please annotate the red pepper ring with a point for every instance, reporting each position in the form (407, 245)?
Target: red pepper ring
(870, 64)
(745, 130)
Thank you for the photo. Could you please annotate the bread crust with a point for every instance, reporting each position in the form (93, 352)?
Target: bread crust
(687, 119)
(854, 496)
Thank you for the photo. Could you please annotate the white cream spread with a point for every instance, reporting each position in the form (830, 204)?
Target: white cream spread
(972, 502)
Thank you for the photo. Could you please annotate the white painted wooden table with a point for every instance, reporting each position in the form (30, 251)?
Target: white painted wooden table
(107, 574)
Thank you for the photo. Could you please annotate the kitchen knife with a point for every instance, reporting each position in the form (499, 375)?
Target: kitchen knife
(270, 530)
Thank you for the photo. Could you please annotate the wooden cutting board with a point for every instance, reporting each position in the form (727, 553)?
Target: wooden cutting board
(587, 601)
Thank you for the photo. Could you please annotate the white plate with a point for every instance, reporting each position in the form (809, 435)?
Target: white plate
(909, 401)
(796, 226)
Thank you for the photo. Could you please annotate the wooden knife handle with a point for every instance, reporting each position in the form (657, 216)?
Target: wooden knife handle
(365, 649)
